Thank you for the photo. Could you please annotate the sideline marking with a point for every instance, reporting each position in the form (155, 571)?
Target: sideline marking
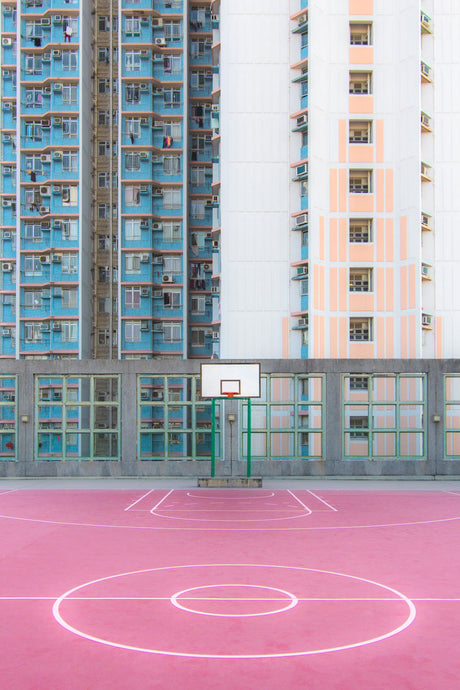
(401, 597)
(308, 511)
(322, 501)
(139, 499)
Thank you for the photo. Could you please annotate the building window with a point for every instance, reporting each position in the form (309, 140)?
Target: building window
(132, 93)
(360, 132)
(103, 118)
(198, 305)
(172, 198)
(360, 33)
(103, 211)
(171, 98)
(360, 83)
(197, 176)
(132, 331)
(69, 298)
(172, 31)
(132, 195)
(171, 332)
(132, 26)
(32, 266)
(172, 64)
(69, 229)
(132, 230)
(33, 299)
(33, 232)
(198, 337)
(132, 297)
(69, 127)
(172, 265)
(32, 333)
(70, 161)
(132, 162)
(69, 94)
(103, 179)
(69, 60)
(361, 280)
(171, 232)
(69, 263)
(360, 181)
(132, 263)
(69, 331)
(361, 330)
(172, 299)
(133, 61)
(360, 423)
(359, 383)
(360, 230)
(69, 195)
(104, 85)
(197, 209)
(172, 131)
(171, 165)
(33, 131)
(33, 64)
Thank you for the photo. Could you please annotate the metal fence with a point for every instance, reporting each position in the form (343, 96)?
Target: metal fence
(147, 418)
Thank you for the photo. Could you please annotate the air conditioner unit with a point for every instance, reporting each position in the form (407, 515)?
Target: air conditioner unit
(57, 293)
(144, 325)
(144, 224)
(426, 320)
(144, 120)
(57, 19)
(57, 258)
(6, 202)
(160, 42)
(6, 41)
(6, 138)
(208, 202)
(57, 155)
(7, 170)
(158, 191)
(215, 244)
(143, 189)
(144, 156)
(6, 73)
(302, 219)
(144, 86)
(206, 267)
(6, 235)
(166, 278)
(144, 21)
(302, 323)
(145, 292)
(425, 219)
(47, 90)
(145, 258)
(44, 259)
(46, 57)
(7, 266)
(45, 191)
(145, 53)
(6, 105)
(56, 53)
(215, 289)
(57, 87)
(215, 335)
(44, 209)
(57, 189)
(302, 169)
(44, 327)
(6, 332)
(157, 293)
(215, 107)
(214, 17)
(45, 158)
(46, 124)
(302, 120)
(302, 270)
(45, 21)
(57, 121)
(157, 22)
(57, 324)
(157, 260)
(157, 395)
(215, 199)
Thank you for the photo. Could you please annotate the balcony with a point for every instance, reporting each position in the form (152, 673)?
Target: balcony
(426, 221)
(426, 73)
(425, 23)
(425, 121)
(425, 171)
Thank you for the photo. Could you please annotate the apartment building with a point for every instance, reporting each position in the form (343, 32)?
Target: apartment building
(234, 179)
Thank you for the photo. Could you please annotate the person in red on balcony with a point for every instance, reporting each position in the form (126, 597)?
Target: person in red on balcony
(68, 33)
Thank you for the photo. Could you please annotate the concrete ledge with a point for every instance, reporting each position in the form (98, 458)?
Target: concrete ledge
(230, 482)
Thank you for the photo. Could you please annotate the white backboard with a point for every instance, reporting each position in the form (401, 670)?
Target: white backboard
(230, 380)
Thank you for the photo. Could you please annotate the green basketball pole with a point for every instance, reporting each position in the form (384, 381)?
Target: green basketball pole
(249, 439)
(213, 437)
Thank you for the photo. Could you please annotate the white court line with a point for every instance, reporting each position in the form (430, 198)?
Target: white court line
(322, 501)
(8, 491)
(159, 502)
(119, 598)
(139, 499)
(308, 511)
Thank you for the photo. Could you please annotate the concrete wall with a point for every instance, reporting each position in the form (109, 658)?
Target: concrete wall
(333, 464)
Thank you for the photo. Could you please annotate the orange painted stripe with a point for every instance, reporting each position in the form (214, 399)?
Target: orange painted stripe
(285, 337)
(333, 240)
(333, 186)
(389, 327)
(380, 288)
(362, 350)
(379, 153)
(380, 239)
(343, 175)
(343, 141)
(360, 104)
(380, 190)
(343, 337)
(389, 191)
(389, 289)
(389, 239)
(403, 238)
(333, 289)
(412, 291)
(361, 7)
(438, 338)
(381, 350)
(343, 288)
(334, 337)
(343, 239)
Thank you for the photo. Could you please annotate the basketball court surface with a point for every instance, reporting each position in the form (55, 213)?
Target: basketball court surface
(295, 585)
